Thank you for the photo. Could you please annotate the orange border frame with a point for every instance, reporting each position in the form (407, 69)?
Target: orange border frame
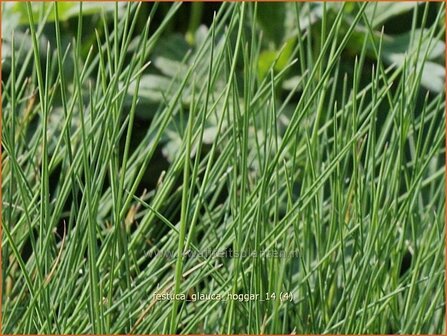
(445, 163)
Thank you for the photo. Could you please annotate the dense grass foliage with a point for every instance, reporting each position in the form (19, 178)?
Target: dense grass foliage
(292, 152)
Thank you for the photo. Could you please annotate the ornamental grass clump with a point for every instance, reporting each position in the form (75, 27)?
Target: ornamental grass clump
(265, 168)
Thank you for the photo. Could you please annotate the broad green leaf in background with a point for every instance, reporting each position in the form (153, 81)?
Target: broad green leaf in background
(399, 44)
(280, 58)
(382, 11)
(172, 46)
(433, 75)
(396, 47)
(14, 14)
(152, 87)
(67, 10)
